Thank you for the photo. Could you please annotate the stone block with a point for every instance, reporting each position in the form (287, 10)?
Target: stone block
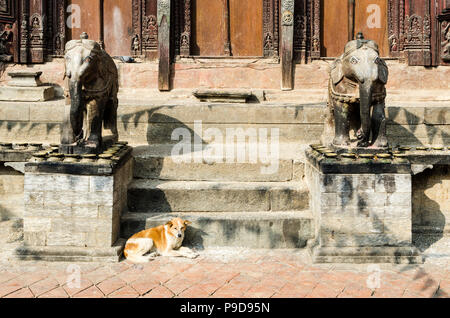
(46, 113)
(66, 239)
(34, 199)
(399, 199)
(437, 116)
(299, 171)
(35, 238)
(27, 94)
(51, 182)
(289, 199)
(103, 184)
(14, 113)
(398, 211)
(36, 224)
(25, 79)
(352, 225)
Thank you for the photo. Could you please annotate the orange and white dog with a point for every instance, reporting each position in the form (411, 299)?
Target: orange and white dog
(164, 240)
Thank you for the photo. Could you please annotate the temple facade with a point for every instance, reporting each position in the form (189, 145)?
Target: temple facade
(281, 32)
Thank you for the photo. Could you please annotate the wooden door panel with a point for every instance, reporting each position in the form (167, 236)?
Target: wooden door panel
(208, 30)
(246, 27)
(89, 19)
(118, 27)
(371, 19)
(335, 27)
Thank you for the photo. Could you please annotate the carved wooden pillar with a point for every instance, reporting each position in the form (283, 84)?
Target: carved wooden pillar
(185, 38)
(396, 27)
(164, 19)
(226, 21)
(418, 30)
(58, 37)
(315, 16)
(443, 34)
(301, 30)
(37, 21)
(24, 15)
(287, 44)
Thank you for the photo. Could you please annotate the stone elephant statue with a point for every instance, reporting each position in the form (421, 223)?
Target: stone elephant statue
(93, 86)
(357, 96)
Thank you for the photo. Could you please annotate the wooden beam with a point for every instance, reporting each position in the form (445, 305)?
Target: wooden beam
(351, 19)
(226, 20)
(287, 44)
(164, 44)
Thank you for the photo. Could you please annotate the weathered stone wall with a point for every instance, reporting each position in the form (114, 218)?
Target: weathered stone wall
(147, 122)
(11, 193)
(72, 210)
(245, 73)
(431, 201)
(361, 209)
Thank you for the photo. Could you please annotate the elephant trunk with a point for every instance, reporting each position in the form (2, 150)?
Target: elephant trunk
(365, 93)
(76, 108)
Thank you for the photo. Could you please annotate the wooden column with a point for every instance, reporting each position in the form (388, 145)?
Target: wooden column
(164, 44)
(418, 31)
(185, 41)
(351, 19)
(226, 22)
(287, 44)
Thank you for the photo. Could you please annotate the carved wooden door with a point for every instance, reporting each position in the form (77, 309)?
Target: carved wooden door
(227, 27)
(370, 17)
(118, 29)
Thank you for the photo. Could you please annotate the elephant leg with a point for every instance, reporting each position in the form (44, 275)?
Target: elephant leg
(113, 123)
(342, 124)
(379, 138)
(94, 123)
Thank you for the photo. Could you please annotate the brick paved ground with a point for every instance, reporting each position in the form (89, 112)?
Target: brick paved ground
(223, 273)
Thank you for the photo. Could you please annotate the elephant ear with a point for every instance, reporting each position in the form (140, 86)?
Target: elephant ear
(383, 72)
(336, 71)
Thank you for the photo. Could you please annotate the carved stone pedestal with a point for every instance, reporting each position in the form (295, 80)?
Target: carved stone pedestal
(26, 86)
(362, 210)
(73, 209)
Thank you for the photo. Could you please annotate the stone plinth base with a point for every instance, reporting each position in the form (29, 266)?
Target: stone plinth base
(362, 210)
(25, 79)
(26, 94)
(73, 210)
(364, 255)
(71, 254)
(76, 149)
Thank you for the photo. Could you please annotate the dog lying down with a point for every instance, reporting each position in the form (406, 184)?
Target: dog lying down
(164, 240)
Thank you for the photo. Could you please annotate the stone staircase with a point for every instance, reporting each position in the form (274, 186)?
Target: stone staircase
(230, 204)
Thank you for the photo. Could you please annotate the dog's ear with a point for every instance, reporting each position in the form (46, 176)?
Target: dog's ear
(169, 223)
(186, 222)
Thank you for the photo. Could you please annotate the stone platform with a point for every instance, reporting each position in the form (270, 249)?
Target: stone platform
(73, 209)
(362, 209)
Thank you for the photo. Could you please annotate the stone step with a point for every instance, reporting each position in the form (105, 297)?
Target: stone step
(271, 230)
(162, 162)
(205, 196)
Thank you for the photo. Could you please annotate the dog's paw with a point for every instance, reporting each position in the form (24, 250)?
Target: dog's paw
(193, 255)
